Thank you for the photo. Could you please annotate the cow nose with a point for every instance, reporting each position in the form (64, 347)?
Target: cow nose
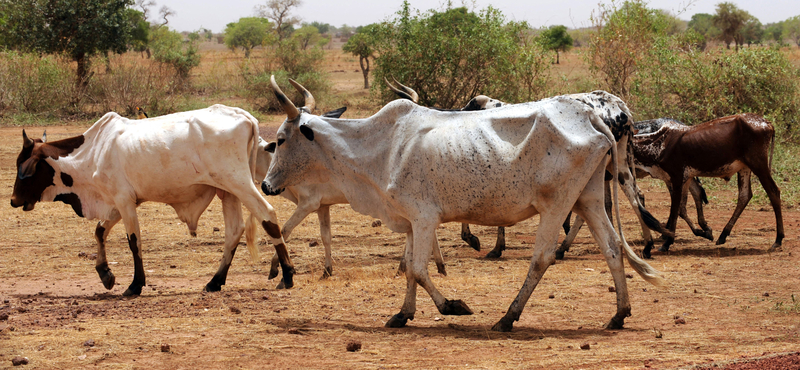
(268, 189)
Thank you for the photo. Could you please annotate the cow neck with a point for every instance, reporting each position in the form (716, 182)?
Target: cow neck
(80, 166)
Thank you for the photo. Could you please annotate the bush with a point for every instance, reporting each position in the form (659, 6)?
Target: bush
(36, 84)
(289, 60)
(693, 86)
(170, 49)
(449, 57)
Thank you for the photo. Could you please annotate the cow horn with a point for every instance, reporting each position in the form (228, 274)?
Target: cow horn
(26, 142)
(44, 136)
(291, 111)
(310, 102)
(406, 92)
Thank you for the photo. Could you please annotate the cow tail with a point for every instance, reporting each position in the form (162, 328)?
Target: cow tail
(644, 270)
(250, 225)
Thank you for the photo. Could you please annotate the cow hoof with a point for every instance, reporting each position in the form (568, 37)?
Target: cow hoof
(132, 291)
(560, 254)
(665, 247)
(212, 287)
(775, 248)
(504, 325)
(398, 321)
(615, 323)
(273, 273)
(284, 284)
(723, 236)
(495, 253)
(474, 242)
(440, 269)
(455, 307)
(328, 272)
(647, 249)
(108, 280)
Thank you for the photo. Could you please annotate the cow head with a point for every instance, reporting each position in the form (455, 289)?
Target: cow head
(34, 174)
(296, 158)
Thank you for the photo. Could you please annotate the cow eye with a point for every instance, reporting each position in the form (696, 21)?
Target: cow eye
(280, 141)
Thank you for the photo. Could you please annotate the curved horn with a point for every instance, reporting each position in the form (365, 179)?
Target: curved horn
(402, 94)
(291, 111)
(44, 136)
(311, 103)
(26, 142)
(408, 90)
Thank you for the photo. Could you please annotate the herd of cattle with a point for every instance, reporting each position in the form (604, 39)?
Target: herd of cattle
(413, 167)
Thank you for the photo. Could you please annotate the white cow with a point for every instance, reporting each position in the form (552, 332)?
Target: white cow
(181, 159)
(415, 168)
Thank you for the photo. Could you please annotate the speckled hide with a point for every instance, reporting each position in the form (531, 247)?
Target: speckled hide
(415, 168)
(723, 147)
(181, 159)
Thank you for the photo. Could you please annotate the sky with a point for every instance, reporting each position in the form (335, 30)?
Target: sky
(191, 15)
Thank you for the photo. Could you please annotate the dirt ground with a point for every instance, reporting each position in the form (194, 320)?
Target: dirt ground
(723, 307)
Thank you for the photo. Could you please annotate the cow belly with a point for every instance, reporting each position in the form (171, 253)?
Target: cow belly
(724, 171)
(177, 195)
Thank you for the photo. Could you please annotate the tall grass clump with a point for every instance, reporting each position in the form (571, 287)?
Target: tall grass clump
(132, 83)
(30, 83)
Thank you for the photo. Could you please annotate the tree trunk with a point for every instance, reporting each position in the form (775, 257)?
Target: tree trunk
(83, 71)
(557, 57)
(365, 70)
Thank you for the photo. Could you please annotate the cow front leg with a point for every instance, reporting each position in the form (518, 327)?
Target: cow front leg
(472, 240)
(234, 227)
(269, 221)
(500, 245)
(324, 215)
(745, 194)
(699, 196)
(101, 264)
(675, 195)
(128, 212)
(304, 208)
(543, 257)
(409, 308)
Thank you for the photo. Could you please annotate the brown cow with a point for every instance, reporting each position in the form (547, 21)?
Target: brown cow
(740, 144)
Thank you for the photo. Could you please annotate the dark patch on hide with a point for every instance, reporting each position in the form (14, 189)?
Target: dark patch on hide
(66, 179)
(71, 199)
(272, 229)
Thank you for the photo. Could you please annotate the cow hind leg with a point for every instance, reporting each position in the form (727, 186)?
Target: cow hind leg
(101, 264)
(570, 238)
(745, 194)
(234, 227)
(472, 240)
(774, 195)
(675, 193)
(543, 257)
(698, 194)
(409, 307)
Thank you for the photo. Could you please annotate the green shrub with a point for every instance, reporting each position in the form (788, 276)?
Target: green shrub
(31, 83)
(170, 49)
(449, 57)
(692, 86)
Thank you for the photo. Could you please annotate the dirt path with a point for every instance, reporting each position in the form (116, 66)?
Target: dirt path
(722, 302)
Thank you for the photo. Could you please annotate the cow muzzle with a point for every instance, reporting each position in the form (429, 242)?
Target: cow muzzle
(267, 189)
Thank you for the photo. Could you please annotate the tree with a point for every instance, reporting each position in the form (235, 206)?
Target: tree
(556, 39)
(729, 19)
(170, 49)
(791, 29)
(323, 28)
(752, 32)
(308, 36)
(78, 28)
(774, 32)
(624, 37)
(451, 56)
(140, 35)
(247, 33)
(279, 12)
(361, 45)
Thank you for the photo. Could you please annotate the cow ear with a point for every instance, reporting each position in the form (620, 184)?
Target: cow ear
(28, 168)
(307, 132)
(335, 113)
(271, 147)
